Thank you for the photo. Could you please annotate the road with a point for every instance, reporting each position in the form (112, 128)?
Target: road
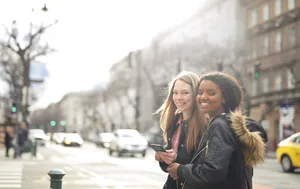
(90, 167)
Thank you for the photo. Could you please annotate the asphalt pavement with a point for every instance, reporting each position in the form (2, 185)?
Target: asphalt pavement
(90, 167)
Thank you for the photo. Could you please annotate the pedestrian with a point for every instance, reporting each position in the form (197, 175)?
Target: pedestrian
(22, 140)
(8, 140)
(181, 123)
(228, 150)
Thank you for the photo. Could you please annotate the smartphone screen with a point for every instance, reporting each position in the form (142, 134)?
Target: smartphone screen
(158, 147)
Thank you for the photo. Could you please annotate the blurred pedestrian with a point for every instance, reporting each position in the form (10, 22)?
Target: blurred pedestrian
(228, 150)
(181, 123)
(21, 140)
(8, 137)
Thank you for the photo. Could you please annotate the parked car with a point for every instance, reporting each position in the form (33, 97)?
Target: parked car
(288, 153)
(104, 139)
(128, 141)
(72, 139)
(39, 136)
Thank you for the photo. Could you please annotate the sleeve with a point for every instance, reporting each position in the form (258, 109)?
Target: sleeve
(215, 167)
(163, 166)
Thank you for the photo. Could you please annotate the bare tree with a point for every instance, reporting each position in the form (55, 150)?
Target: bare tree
(26, 49)
(91, 115)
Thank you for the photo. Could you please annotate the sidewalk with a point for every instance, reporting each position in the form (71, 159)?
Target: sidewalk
(257, 186)
(25, 156)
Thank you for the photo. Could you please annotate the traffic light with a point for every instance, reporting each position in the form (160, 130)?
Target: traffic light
(62, 123)
(257, 70)
(52, 123)
(13, 108)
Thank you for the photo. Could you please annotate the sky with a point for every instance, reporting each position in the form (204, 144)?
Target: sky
(91, 35)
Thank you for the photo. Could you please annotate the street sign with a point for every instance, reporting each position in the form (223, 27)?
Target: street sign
(37, 72)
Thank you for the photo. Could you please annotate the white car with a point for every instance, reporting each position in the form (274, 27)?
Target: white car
(39, 136)
(128, 141)
(104, 139)
(72, 139)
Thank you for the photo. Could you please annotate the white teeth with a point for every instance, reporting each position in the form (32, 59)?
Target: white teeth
(204, 103)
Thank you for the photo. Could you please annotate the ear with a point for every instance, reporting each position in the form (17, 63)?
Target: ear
(223, 101)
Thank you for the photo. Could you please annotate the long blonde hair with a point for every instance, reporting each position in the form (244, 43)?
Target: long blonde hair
(168, 111)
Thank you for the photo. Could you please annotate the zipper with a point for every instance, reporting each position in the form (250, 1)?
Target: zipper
(206, 147)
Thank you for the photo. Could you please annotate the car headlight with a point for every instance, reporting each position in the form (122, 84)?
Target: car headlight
(67, 142)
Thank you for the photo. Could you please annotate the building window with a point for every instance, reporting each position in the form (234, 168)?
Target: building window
(266, 12)
(265, 85)
(266, 46)
(254, 87)
(253, 17)
(277, 7)
(292, 37)
(278, 82)
(290, 80)
(291, 4)
(278, 41)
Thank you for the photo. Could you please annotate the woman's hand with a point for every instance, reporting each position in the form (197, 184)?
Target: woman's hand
(169, 156)
(172, 170)
(158, 157)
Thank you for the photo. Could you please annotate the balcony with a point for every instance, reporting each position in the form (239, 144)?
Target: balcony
(276, 96)
(275, 22)
(278, 59)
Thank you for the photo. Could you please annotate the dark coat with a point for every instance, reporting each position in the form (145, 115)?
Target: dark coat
(183, 157)
(226, 155)
(22, 136)
(8, 139)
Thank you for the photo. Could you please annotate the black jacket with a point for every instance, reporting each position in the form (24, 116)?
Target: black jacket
(226, 155)
(8, 139)
(183, 157)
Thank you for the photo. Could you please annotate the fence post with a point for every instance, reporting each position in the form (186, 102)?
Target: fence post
(56, 176)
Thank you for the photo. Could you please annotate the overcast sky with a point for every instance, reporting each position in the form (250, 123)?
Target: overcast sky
(93, 34)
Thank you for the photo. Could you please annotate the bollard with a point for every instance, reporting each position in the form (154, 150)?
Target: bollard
(56, 176)
(33, 148)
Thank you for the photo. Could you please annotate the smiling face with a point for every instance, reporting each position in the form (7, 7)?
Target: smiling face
(183, 98)
(210, 98)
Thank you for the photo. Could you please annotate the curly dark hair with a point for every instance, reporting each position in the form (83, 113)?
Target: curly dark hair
(231, 89)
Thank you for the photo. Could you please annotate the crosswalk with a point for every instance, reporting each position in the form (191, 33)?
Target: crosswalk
(11, 175)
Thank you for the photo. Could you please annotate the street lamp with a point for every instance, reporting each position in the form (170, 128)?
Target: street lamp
(178, 64)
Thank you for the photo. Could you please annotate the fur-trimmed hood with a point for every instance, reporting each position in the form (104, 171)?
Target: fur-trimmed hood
(251, 136)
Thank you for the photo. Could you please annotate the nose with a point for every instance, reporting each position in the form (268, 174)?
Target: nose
(179, 96)
(203, 96)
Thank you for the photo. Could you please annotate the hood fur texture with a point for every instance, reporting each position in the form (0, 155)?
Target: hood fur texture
(252, 144)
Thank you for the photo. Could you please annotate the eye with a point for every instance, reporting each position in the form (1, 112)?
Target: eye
(199, 92)
(211, 93)
(174, 92)
(185, 93)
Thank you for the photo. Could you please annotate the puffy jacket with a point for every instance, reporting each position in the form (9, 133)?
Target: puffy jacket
(227, 152)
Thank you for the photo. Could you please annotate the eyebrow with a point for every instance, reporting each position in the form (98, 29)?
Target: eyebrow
(181, 90)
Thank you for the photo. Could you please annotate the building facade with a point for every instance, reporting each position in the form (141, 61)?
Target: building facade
(274, 36)
(72, 112)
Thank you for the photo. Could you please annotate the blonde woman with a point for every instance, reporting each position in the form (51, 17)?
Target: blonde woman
(181, 123)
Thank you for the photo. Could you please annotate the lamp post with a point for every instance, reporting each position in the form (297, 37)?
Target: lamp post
(178, 64)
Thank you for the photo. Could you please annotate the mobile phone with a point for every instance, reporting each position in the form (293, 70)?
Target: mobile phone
(158, 148)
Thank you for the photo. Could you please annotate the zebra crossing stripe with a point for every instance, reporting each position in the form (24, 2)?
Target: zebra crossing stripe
(11, 176)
